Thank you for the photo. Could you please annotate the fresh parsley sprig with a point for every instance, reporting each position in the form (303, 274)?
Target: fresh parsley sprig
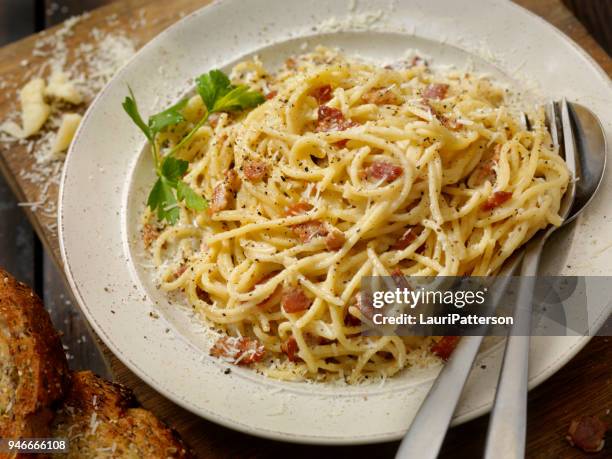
(218, 95)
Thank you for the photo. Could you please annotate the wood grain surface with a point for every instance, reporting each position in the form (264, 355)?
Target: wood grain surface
(584, 386)
(596, 15)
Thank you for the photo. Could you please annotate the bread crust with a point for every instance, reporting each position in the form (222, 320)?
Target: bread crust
(101, 419)
(33, 368)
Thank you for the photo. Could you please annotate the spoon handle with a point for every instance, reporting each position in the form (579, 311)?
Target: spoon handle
(429, 427)
(508, 424)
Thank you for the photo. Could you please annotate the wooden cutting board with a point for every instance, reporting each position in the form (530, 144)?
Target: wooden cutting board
(582, 387)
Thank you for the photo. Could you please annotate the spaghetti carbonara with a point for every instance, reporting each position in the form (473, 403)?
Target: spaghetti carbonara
(347, 170)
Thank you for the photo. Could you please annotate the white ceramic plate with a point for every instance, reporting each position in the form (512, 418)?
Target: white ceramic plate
(105, 181)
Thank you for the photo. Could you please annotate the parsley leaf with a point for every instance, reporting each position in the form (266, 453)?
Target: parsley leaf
(168, 117)
(212, 86)
(158, 122)
(239, 98)
(219, 95)
(192, 200)
(173, 169)
(162, 198)
(131, 108)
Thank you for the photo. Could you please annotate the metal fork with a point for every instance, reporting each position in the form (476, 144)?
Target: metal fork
(431, 422)
(508, 424)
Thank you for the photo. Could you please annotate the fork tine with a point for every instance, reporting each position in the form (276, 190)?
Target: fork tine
(551, 115)
(525, 121)
(569, 141)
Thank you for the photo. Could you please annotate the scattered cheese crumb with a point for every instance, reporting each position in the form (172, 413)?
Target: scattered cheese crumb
(355, 21)
(12, 129)
(70, 123)
(61, 88)
(34, 110)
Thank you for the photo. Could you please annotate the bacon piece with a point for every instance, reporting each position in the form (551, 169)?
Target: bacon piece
(407, 238)
(341, 143)
(383, 170)
(445, 121)
(254, 170)
(350, 320)
(485, 169)
(220, 198)
(587, 433)
(445, 347)
(295, 300)
(435, 91)
(484, 172)
(298, 209)
(364, 304)
(415, 61)
(290, 347)
(381, 96)
(323, 94)
(332, 119)
(335, 239)
(418, 60)
(313, 228)
(308, 230)
(272, 94)
(243, 351)
(400, 280)
(496, 200)
(213, 120)
(179, 272)
(224, 191)
(149, 234)
(290, 63)
(203, 295)
(232, 179)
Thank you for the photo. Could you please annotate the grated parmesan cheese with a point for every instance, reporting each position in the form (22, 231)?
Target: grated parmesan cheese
(355, 21)
(93, 422)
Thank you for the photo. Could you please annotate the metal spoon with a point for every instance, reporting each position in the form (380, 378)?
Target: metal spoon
(592, 154)
(429, 426)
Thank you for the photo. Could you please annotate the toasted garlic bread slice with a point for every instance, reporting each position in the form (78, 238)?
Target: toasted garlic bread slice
(99, 419)
(33, 370)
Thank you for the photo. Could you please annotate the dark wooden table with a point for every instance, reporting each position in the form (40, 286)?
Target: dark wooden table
(583, 386)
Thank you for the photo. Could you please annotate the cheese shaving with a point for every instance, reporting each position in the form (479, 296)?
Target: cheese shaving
(61, 88)
(70, 123)
(34, 110)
